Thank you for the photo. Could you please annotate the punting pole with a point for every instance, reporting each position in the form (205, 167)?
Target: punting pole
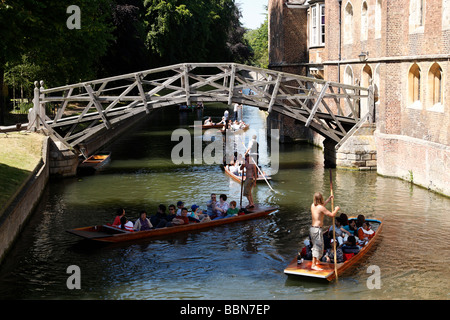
(334, 226)
(242, 184)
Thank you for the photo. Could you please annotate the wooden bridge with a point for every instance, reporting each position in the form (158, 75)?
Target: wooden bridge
(74, 113)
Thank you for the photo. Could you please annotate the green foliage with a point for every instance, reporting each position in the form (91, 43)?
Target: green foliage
(38, 30)
(258, 40)
(116, 37)
(22, 76)
(192, 30)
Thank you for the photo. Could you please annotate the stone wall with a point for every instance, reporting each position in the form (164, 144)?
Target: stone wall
(64, 162)
(16, 214)
(360, 150)
(421, 162)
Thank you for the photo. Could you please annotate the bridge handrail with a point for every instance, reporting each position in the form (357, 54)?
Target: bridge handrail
(241, 67)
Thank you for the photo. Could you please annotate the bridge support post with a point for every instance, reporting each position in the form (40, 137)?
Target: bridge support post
(32, 115)
(329, 152)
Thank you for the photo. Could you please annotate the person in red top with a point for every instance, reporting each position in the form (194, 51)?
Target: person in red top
(365, 233)
(183, 219)
(119, 215)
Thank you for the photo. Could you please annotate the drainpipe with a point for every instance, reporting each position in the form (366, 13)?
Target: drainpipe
(340, 41)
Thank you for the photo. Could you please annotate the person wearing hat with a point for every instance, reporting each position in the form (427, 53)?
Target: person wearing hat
(194, 216)
(198, 214)
(180, 205)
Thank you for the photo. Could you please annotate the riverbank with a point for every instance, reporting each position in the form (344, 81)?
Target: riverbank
(23, 175)
(20, 153)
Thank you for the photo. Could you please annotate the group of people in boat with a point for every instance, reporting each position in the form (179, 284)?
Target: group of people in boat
(227, 124)
(178, 215)
(184, 107)
(351, 235)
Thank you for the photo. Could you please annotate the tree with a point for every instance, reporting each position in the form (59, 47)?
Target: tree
(127, 52)
(259, 43)
(37, 29)
(192, 30)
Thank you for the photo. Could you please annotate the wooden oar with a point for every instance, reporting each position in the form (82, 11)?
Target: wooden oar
(334, 226)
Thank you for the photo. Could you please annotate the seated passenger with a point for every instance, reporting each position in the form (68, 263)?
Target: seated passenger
(365, 233)
(183, 219)
(211, 206)
(222, 207)
(344, 220)
(235, 168)
(120, 213)
(180, 205)
(350, 246)
(360, 220)
(341, 233)
(143, 223)
(232, 210)
(159, 220)
(235, 125)
(351, 227)
(306, 252)
(329, 254)
(126, 224)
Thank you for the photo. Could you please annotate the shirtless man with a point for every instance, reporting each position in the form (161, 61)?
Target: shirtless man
(318, 210)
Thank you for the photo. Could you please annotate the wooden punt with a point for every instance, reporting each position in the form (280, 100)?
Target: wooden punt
(238, 178)
(95, 162)
(208, 126)
(105, 233)
(328, 272)
(236, 131)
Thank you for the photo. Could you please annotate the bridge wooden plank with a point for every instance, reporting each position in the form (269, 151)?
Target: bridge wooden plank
(317, 104)
(97, 105)
(275, 92)
(232, 80)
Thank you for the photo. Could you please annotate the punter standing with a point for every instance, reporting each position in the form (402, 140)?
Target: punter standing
(251, 175)
(318, 210)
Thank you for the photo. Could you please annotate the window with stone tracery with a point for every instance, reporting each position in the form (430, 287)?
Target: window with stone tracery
(435, 84)
(378, 19)
(364, 21)
(414, 86)
(416, 15)
(348, 23)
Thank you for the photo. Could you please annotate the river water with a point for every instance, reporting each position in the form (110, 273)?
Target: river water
(237, 261)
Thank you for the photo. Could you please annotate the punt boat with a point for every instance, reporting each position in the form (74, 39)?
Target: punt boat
(95, 162)
(106, 233)
(239, 178)
(208, 126)
(328, 272)
(236, 131)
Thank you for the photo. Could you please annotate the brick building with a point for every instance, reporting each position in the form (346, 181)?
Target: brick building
(400, 46)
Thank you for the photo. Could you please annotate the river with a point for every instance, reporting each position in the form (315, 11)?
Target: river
(237, 261)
